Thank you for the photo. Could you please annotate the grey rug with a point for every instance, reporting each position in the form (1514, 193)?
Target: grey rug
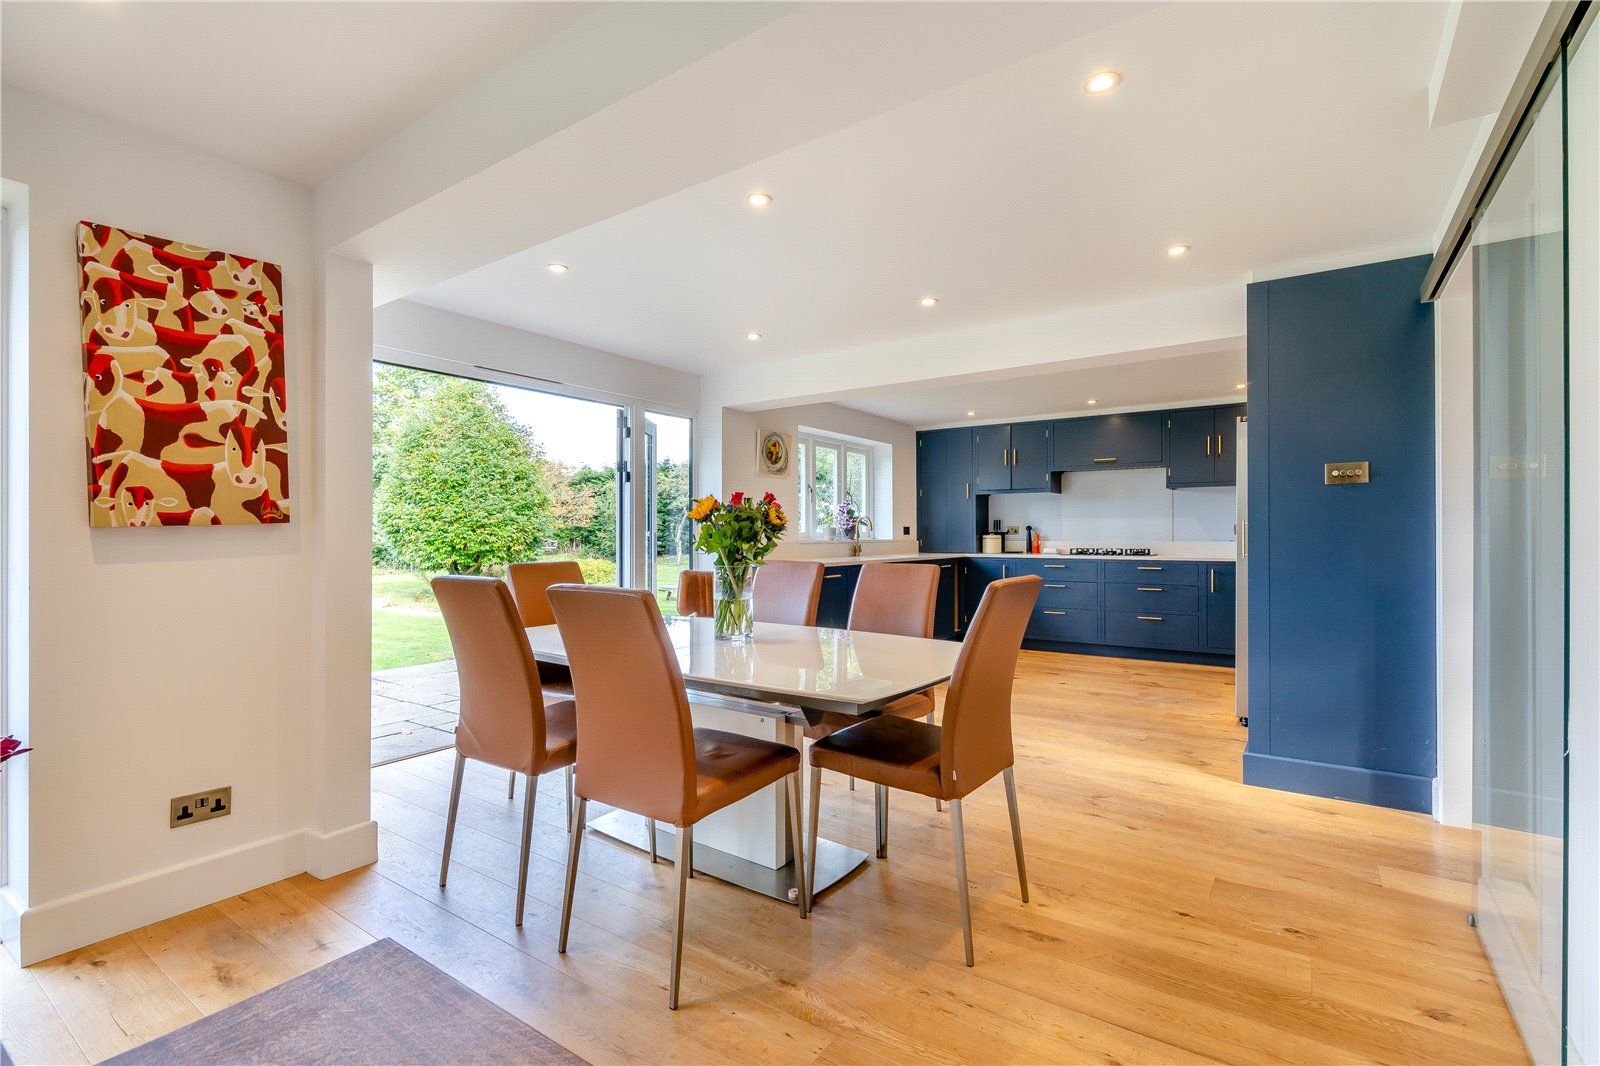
(381, 1004)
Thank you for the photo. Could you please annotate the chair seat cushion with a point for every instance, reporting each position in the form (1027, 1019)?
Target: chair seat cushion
(916, 705)
(553, 677)
(560, 735)
(729, 767)
(890, 750)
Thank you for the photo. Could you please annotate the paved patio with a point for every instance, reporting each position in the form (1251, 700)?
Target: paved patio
(414, 710)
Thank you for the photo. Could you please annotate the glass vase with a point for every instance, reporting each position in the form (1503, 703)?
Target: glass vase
(733, 596)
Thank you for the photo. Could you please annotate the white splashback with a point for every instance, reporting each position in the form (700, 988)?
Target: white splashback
(1121, 507)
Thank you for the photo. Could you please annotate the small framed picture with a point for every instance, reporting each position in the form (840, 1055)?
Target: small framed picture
(773, 448)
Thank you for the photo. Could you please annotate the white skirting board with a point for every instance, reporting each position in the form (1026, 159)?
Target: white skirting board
(47, 930)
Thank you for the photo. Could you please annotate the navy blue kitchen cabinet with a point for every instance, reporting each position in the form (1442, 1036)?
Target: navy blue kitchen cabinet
(946, 623)
(1221, 607)
(949, 508)
(1107, 441)
(1202, 446)
(1014, 458)
(838, 589)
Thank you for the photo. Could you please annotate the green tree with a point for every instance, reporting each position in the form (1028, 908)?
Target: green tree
(460, 490)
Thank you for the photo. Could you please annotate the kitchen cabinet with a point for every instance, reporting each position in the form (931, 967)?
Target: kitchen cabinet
(1014, 458)
(1221, 607)
(1202, 446)
(949, 508)
(947, 601)
(838, 590)
(1107, 441)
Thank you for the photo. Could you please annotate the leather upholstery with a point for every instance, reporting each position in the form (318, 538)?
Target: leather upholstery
(787, 592)
(643, 753)
(895, 598)
(974, 742)
(504, 720)
(528, 582)
(694, 593)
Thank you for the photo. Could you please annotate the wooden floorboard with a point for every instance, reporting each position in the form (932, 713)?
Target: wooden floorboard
(1176, 916)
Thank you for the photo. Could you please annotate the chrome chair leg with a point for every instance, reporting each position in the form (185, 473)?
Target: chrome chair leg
(802, 887)
(569, 798)
(573, 847)
(511, 786)
(532, 787)
(650, 831)
(1016, 830)
(450, 820)
(938, 804)
(960, 838)
(881, 803)
(811, 840)
(685, 862)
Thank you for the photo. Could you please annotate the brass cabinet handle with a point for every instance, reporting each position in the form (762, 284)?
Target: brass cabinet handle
(1151, 618)
(1208, 444)
(944, 566)
(1048, 585)
(968, 491)
(1107, 459)
(1013, 457)
(831, 577)
(1150, 588)
(1213, 573)
(1055, 566)
(1219, 443)
(1053, 612)
(1005, 456)
(1152, 568)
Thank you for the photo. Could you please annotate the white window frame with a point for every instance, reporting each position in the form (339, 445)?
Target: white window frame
(807, 445)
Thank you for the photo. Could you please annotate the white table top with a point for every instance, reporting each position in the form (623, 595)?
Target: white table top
(808, 667)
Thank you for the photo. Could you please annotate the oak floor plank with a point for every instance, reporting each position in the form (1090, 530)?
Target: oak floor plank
(210, 959)
(112, 997)
(30, 1028)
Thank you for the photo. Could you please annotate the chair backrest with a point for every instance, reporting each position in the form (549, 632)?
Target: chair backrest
(787, 592)
(976, 741)
(694, 593)
(502, 706)
(633, 724)
(895, 598)
(529, 582)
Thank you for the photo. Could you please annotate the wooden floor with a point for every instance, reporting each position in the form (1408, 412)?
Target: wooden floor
(1177, 916)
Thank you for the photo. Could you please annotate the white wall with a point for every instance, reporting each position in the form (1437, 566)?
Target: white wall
(1122, 507)
(164, 661)
(737, 444)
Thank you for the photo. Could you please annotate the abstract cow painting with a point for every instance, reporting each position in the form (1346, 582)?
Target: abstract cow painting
(185, 404)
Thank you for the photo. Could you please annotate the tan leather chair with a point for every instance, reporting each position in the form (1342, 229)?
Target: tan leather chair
(787, 592)
(895, 598)
(505, 721)
(528, 583)
(972, 746)
(694, 594)
(644, 753)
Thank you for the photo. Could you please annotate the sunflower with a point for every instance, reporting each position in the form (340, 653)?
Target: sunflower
(703, 508)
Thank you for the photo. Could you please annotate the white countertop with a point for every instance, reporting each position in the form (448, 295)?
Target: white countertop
(1224, 554)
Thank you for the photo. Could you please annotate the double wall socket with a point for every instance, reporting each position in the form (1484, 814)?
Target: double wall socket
(201, 806)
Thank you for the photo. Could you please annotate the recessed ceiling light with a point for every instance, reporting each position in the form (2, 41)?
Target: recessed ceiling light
(752, 336)
(1093, 402)
(557, 268)
(1102, 81)
(759, 199)
(1178, 249)
(928, 301)
(972, 414)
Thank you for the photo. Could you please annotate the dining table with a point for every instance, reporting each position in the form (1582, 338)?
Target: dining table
(771, 686)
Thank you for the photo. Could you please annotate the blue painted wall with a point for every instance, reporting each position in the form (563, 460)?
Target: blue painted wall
(1341, 580)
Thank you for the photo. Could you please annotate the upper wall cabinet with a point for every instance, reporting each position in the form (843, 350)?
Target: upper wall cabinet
(1014, 458)
(1107, 441)
(1202, 446)
(949, 509)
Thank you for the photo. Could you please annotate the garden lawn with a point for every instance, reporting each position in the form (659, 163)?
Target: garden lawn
(401, 638)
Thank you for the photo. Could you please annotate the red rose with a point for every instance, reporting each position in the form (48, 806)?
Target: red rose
(769, 499)
(10, 746)
(736, 499)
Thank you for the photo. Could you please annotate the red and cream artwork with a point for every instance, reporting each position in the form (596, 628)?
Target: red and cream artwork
(185, 405)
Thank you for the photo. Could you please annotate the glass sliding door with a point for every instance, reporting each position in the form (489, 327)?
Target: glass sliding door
(1521, 574)
(669, 535)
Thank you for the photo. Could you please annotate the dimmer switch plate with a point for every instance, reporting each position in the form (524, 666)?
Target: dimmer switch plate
(200, 806)
(1346, 473)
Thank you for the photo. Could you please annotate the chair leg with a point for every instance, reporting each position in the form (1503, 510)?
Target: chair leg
(650, 831)
(450, 820)
(568, 783)
(511, 786)
(938, 804)
(685, 863)
(852, 784)
(532, 786)
(797, 838)
(960, 837)
(1016, 830)
(811, 841)
(881, 803)
(573, 847)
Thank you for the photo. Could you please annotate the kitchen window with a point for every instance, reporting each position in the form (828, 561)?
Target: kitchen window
(832, 471)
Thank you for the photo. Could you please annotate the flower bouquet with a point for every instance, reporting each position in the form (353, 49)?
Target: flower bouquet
(738, 534)
(10, 748)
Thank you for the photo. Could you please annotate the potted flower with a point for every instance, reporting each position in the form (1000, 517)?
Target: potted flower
(851, 522)
(738, 534)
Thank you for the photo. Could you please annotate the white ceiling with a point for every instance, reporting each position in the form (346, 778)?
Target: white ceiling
(1150, 383)
(293, 89)
(1260, 134)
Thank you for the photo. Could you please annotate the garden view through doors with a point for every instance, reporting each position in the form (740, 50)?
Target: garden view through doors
(471, 475)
